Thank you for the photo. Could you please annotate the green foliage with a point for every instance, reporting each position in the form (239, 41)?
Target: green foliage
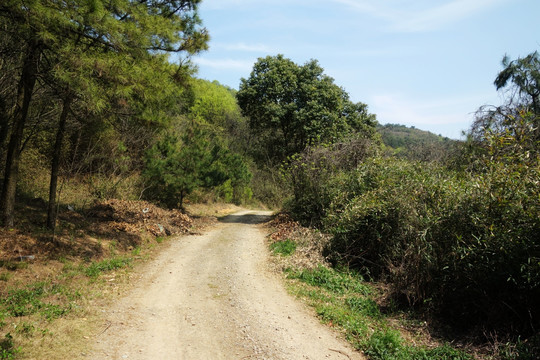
(331, 280)
(175, 164)
(425, 229)
(512, 129)
(385, 345)
(286, 247)
(7, 348)
(29, 300)
(96, 268)
(380, 220)
(13, 265)
(196, 158)
(291, 107)
(388, 345)
(524, 73)
(364, 306)
(105, 63)
(342, 299)
(415, 144)
(319, 174)
(215, 103)
(269, 186)
(445, 352)
(463, 244)
(521, 350)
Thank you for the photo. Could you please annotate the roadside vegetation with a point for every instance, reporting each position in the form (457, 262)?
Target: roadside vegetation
(345, 301)
(454, 239)
(414, 144)
(359, 308)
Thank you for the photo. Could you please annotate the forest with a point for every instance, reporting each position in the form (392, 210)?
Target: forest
(100, 100)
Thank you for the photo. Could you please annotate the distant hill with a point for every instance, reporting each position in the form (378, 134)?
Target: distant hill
(415, 144)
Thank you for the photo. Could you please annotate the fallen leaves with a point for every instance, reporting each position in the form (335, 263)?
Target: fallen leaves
(135, 216)
(283, 225)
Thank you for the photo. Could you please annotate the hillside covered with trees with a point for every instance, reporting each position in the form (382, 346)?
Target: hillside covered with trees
(99, 100)
(415, 144)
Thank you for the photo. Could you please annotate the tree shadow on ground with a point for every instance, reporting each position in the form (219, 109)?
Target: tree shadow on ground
(248, 219)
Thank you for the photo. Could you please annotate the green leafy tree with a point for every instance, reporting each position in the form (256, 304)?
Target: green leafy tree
(100, 53)
(524, 74)
(229, 175)
(174, 165)
(517, 121)
(291, 107)
(215, 103)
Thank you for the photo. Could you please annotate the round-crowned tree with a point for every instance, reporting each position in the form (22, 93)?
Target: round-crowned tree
(291, 107)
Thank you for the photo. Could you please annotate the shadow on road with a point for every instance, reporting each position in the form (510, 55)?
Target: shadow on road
(245, 219)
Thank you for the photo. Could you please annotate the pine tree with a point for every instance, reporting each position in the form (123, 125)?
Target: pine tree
(96, 54)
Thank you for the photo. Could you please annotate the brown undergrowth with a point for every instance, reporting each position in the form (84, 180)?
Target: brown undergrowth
(310, 243)
(88, 234)
(53, 284)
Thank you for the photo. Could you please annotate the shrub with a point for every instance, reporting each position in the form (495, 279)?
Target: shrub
(332, 280)
(318, 174)
(467, 244)
(7, 348)
(464, 244)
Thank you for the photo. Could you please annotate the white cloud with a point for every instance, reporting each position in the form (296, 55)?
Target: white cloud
(396, 108)
(439, 16)
(407, 16)
(260, 48)
(225, 64)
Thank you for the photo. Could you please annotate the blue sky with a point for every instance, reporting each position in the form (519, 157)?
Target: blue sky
(424, 63)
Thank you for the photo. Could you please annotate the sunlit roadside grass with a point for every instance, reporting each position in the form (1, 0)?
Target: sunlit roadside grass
(344, 301)
(56, 315)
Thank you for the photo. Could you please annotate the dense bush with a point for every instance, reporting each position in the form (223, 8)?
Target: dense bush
(389, 222)
(461, 237)
(318, 174)
(464, 244)
(468, 244)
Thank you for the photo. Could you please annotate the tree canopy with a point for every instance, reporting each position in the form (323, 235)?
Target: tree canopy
(107, 57)
(519, 117)
(524, 74)
(291, 107)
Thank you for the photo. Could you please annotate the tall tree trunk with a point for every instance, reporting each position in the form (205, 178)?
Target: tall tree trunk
(4, 124)
(55, 165)
(24, 96)
(4, 129)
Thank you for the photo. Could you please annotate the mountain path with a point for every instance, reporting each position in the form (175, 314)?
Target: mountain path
(212, 296)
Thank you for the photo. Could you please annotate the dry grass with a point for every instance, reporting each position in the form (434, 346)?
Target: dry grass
(309, 244)
(70, 336)
(31, 255)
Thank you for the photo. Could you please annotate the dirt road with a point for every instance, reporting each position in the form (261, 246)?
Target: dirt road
(211, 297)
